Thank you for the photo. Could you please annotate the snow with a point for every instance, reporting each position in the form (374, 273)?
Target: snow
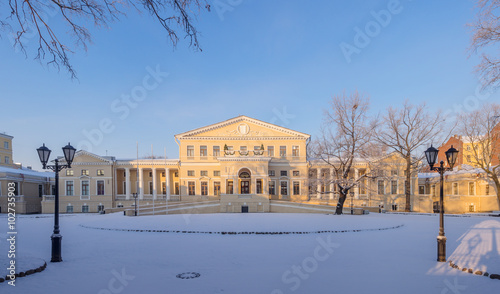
(400, 260)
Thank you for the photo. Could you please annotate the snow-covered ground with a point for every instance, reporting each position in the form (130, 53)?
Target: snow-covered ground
(400, 260)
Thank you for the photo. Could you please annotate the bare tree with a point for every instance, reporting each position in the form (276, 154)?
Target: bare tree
(481, 129)
(32, 18)
(486, 33)
(347, 131)
(406, 131)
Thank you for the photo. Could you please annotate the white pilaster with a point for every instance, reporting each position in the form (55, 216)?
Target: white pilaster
(154, 184)
(318, 177)
(141, 184)
(127, 183)
(356, 189)
(332, 184)
(167, 182)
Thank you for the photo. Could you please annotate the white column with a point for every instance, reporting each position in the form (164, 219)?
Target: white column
(356, 189)
(332, 184)
(167, 182)
(141, 184)
(154, 184)
(318, 176)
(127, 183)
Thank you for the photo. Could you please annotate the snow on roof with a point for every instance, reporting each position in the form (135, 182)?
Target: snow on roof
(26, 171)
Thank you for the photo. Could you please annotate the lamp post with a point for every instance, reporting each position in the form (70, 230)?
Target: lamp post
(135, 205)
(352, 207)
(431, 156)
(44, 154)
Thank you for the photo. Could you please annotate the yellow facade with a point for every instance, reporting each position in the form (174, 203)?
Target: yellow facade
(6, 154)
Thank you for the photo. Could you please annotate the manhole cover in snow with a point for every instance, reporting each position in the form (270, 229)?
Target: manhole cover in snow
(188, 275)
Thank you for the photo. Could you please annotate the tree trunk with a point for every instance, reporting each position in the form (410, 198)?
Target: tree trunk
(340, 204)
(408, 184)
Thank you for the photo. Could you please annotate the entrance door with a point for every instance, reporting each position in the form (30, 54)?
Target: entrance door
(245, 187)
(244, 209)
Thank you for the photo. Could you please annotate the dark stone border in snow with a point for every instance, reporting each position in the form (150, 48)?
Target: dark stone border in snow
(25, 273)
(476, 272)
(244, 233)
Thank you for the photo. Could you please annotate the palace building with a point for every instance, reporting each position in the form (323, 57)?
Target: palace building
(238, 165)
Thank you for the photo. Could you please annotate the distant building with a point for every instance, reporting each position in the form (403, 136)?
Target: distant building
(27, 185)
(6, 153)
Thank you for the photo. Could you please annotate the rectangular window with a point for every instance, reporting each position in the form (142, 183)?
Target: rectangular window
(472, 188)
(282, 151)
(176, 188)
(455, 188)
(69, 172)
(6, 145)
(69, 209)
(216, 173)
(381, 187)
(243, 149)
(7, 161)
(468, 158)
(284, 173)
(433, 190)
(85, 172)
(204, 188)
(85, 208)
(100, 208)
(394, 172)
(394, 187)
(190, 151)
(272, 188)
(163, 188)
(100, 187)
(176, 174)
(85, 188)
(271, 173)
(296, 173)
(17, 192)
(69, 188)
(151, 188)
(190, 173)
(295, 151)
(270, 151)
(296, 188)
(191, 188)
(100, 172)
(259, 186)
(216, 151)
(421, 189)
(229, 188)
(203, 151)
(204, 173)
(284, 188)
(216, 188)
(40, 190)
(150, 174)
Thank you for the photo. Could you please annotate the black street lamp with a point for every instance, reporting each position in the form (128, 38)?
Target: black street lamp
(69, 154)
(135, 205)
(451, 156)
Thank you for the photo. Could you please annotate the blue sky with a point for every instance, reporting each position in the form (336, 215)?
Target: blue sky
(277, 61)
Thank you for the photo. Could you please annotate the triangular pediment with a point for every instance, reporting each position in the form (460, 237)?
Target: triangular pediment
(83, 156)
(242, 126)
